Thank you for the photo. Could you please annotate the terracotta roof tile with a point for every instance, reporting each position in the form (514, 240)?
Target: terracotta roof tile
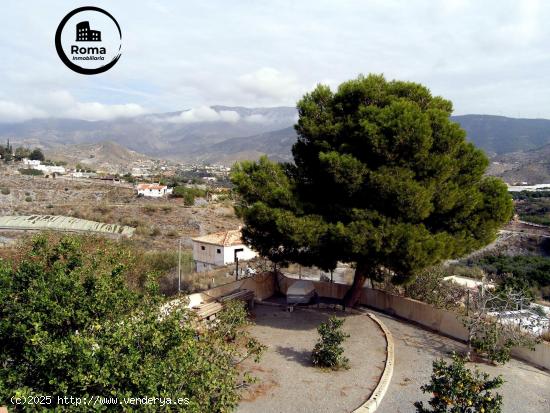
(225, 238)
(151, 186)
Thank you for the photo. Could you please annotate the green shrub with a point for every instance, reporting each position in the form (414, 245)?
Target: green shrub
(188, 194)
(5, 191)
(455, 388)
(518, 271)
(328, 352)
(72, 325)
(429, 287)
(28, 199)
(30, 171)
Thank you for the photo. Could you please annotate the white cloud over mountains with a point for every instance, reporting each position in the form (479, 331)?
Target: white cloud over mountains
(16, 112)
(61, 104)
(205, 114)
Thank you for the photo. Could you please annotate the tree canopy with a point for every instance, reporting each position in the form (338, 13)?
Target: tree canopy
(77, 320)
(37, 155)
(381, 178)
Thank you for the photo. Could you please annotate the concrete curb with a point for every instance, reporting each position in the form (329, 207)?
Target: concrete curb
(377, 395)
(373, 402)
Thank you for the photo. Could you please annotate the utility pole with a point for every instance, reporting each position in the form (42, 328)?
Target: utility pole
(236, 259)
(179, 266)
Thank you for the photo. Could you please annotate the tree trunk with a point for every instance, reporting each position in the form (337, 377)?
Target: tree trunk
(354, 293)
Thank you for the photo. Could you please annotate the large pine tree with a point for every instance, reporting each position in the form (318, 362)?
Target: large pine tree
(381, 178)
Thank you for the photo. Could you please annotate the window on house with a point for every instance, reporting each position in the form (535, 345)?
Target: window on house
(203, 247)
(219, 251)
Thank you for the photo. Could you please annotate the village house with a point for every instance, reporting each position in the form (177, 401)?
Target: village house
(153, 190)
(218, 249)
(46, 169)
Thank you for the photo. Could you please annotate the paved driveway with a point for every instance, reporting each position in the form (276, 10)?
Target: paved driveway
(526, 390)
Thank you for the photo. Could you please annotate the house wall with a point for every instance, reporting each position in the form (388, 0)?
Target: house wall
(155, 193)
(229, 253)
(208, 256)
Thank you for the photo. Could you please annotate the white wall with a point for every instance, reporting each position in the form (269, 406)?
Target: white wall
(155, 193)
(229, 253)
(209, 255)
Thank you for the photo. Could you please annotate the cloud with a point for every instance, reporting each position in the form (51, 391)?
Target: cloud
(15, 112)
(268, 84)
(99, 111)
(61, 104)
(257, 118)
(205, 114)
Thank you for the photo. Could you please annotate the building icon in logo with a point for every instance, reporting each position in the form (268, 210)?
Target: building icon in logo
(84, 34)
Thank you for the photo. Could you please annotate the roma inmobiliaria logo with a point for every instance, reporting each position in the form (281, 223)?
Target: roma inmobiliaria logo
(89, 40)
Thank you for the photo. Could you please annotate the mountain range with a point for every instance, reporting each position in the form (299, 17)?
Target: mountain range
(223, 134)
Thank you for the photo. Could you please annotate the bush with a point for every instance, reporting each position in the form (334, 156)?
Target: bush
(71, 324)
(31, 172)
(28, 199)
(458, 389)
(188, 194)
(149, 209)
(328, 352)
(37, 155)
(429, 287)
(5, 191)
(518, 272)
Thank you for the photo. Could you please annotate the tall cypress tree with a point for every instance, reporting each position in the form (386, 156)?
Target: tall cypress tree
(381, 178)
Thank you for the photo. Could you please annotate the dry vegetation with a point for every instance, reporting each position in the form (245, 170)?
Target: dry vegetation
(159, 223)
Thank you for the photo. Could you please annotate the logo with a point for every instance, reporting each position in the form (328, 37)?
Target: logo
(88, 40)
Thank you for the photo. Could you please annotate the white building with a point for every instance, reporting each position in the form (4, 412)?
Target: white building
(153, 190)
(220, 248)
(46, 169)
(51, 169)
(31, 162)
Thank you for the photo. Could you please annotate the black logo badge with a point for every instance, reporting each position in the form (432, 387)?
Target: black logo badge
(93, 43)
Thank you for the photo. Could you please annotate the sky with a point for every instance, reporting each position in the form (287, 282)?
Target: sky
(487, 57)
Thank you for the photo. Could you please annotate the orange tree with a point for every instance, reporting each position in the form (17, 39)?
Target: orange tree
(74, 322)
(456, 389)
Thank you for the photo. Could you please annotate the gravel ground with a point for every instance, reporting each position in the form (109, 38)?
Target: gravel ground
(526, 390)
(287, 380)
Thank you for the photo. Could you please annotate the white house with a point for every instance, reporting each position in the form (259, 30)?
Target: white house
(46, 169)
(153, 190)
(31, 162)
(51, 169)
(220, 248)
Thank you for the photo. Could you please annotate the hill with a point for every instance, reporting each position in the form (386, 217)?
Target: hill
(107, 155)
(532, 166)
(499, 135)
(224, 134)
(173, 135)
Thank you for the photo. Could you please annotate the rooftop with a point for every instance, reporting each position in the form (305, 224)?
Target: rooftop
(151, 186)
(225, 238)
